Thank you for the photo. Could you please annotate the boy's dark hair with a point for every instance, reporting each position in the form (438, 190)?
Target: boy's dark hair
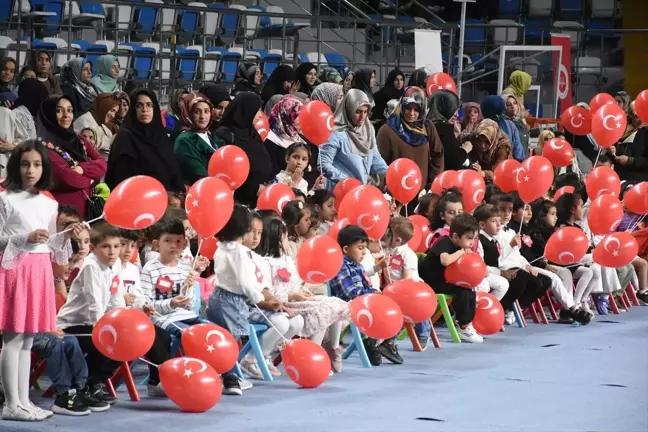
(464, 223)
(13, 182)
(68, 210)
(568, 179)
(237, 226)
(265, 214)
(517, 201)
(103, 231)
(273, 230)
(485, 212)
(492, 189)
(350, 235)
(565, 204)
(130, 235)
(168, 225)
(451, 195)
(500, 198)
(176, 213)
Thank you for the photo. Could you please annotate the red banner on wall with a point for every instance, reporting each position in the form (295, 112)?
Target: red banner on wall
(564, 70)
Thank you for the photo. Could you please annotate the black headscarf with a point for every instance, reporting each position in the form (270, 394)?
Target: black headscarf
(418, 78)
(387, 93)
(244, 80)
(49, 130)
(275, 83)
(6, 87)
(301, 72)
(216, 93)
(362, 81)
(443, 105)
(31, 93)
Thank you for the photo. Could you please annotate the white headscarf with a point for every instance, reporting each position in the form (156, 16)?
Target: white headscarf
(361, 136)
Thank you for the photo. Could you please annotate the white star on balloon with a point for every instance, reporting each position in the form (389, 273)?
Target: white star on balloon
(376, 218)
(579, 115)
(416, 181)
(195, 203)
(618, 125)
(210, 348)
(615, 253)
(526, 178)
(188, 373)
(232, 184)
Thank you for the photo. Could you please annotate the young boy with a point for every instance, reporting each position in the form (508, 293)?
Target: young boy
(489, 224)
(459, 241)
(94, 292)
(352, 282)
(67, 215)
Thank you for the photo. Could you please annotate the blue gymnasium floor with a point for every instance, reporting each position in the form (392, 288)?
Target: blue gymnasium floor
(543, 378)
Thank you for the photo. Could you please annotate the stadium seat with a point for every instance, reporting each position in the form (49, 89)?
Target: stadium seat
(252, 22)
(594, 37)
(211, 22)
(317, 60)
(278, 27)
(335, 60)
(529, 65)
(190, 23)
(537, 29)
(508, 8)
(188, 60)
(507, 34)
(84, 13)
(588, 70)
(540, 8)
(571, 10)
(271, 60)
(229, 65)
(49, 12)
(212, 63)
(230, 24)
(119, 19)
(145, 19)
(475, 36)
(603, 8)
(572, 28)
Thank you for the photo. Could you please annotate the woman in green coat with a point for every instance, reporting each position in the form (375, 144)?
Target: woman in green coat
(195, 145)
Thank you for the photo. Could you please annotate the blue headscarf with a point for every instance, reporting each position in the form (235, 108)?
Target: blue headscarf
(493, 108)
(413, 133)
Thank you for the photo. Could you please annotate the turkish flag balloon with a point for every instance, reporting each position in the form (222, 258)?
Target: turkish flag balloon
(416, 299)
(602, 180)
(473, 189)
(230, 164)
(563, 190)
(577, 120)
(367, 208)
(489, 314)
(336, 227)
(467, 272)
(608, 125)
(306, 363)
(440, 81)
(559, 152)
(567, 245)
(505, 175)
(319, 259)
(211, 344)
(604, 214)
(636, 198)
(207, 247)
(123, 334)
(600, 100)
(191, 384)
(209, 205)
(616, 250)
(421, 225)
(445, 180)
(641, 106)
(262, 126)
(316, 122)
(136, 203)
(404, 180)
(376, 315)
(275, 197)
(342, 188)
(535, 178)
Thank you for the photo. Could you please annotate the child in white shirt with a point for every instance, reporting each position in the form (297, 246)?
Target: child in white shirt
(373, 263)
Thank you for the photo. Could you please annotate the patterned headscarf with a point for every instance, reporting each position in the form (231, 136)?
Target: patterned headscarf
(186, 104)
(413, 133)
(71, 74)
(330, 75)
(491, 131)
(283, 117)
(467, 127)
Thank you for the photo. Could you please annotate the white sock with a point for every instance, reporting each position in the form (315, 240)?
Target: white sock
(24, 370)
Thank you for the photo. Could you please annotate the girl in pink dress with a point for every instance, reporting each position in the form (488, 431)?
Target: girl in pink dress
(27, 295)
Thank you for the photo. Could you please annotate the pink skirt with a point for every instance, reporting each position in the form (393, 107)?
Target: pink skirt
(27, 295)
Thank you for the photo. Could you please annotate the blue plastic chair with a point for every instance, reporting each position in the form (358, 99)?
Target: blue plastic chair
(518, 315)
(254, 345)
(357, 341)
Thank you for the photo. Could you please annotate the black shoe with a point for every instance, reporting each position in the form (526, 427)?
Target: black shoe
(643, 298)
(581, 315)
(93, 403)
(565, 316)
(389, 350)
(69, 404)
(375, 358)
(231, 385)
(99, 392)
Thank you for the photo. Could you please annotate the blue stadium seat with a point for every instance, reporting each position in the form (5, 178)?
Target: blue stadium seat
(475, 36)
(270, 63)
(145, 18)
(508, 8)
(537, 29)
(571, 10)
(229, 65)
(53, 22)
(142, 60)
(83, 45)
(594, 36)
(188, 63)
(94, 51)
(335, 60)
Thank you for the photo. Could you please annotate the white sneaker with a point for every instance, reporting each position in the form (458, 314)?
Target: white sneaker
(509, 318)
(470, 335)
(19, 414)
(40, 412)
(274, 370)
(250, 367)
(245, 384)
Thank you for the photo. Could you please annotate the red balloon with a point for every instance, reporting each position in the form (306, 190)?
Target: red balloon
(559, 152)
(422, 224)
(440, 81)
(489, 314)
(616, 250)
(306, 363)
(262, 126)
(417, 239)
(123, 334)
(48, 194)
(342, 188)
(416, 299)
(191, 384)
(413, 92)
(230, 164)
(207, 247)
(467, 272)
(404, 180)
(316, 122)
(604, 214)
(608, 125)
(211, 344)
(136, 203)
(445, 180)
(134, 256)
(337, 226)
(641, 106)
(367, 208)
(577, 120)
(602, 180)
(473, 189)
(376, 315)
(275, 197)
(535, 178)
(636, 198)
(505, 175)
(600, 100)
(567, 245)
(563, 190)
(319, 259)
(209, 205)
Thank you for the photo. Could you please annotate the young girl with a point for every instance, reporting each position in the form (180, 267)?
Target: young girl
(320, 313)
(27, 218)
(297, 159)
(323, 202)
(426, 204)
(297, 217)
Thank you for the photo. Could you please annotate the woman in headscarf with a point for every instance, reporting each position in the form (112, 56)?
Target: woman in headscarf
(444, 106)
(172, 120)
(492, 107)
(631, 158)
(195, 145)
(365, 80)
(281, 81)
(514, 112)
(419, 78)
(472, 117)
(31, 93)
(328, 74)
(76, 166)
(107, 73)
(283, 130)
(491, 147)
(122, 112)
(219, 96)
(267, 109)
(347, 77)
(41, 63)
(98, 119)
(7, 74)
(76, 77)
(519, 84)
(329, 93)
(306, 74)
(237, 127)
(406, 134)
(351, 150)
(142, 146)
(393, 89)
(623, 99)
(9, 137)
(248, 78)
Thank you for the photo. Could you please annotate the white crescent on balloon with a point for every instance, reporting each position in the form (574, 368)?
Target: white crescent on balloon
(203, 365)
(219, 333)
(109, 329)
(609, 240)
(282, 202)
(463, 284)
(144, 217)
(517, 174)
(367, 313)
(563, 255)
(330, 123)
(315, 277)
(362, 224)
(580, 124)
(605, 122)
(489, 302)
(404, 181)
(478, 196)
(554, 141)
(292, 372)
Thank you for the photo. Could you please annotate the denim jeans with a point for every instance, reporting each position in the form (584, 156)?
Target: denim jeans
(423, 329)
(66, 365)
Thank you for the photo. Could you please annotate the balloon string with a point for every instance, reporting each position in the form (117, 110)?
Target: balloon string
(84, 223)
(80, 335)
(597, 157)
(148, 362)
(537, 259)
(271, 325)
(193, 267)
(637, 222)
(173, 324)
(522, 221)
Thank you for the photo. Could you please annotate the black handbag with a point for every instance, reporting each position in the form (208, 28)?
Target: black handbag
(94, 206)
